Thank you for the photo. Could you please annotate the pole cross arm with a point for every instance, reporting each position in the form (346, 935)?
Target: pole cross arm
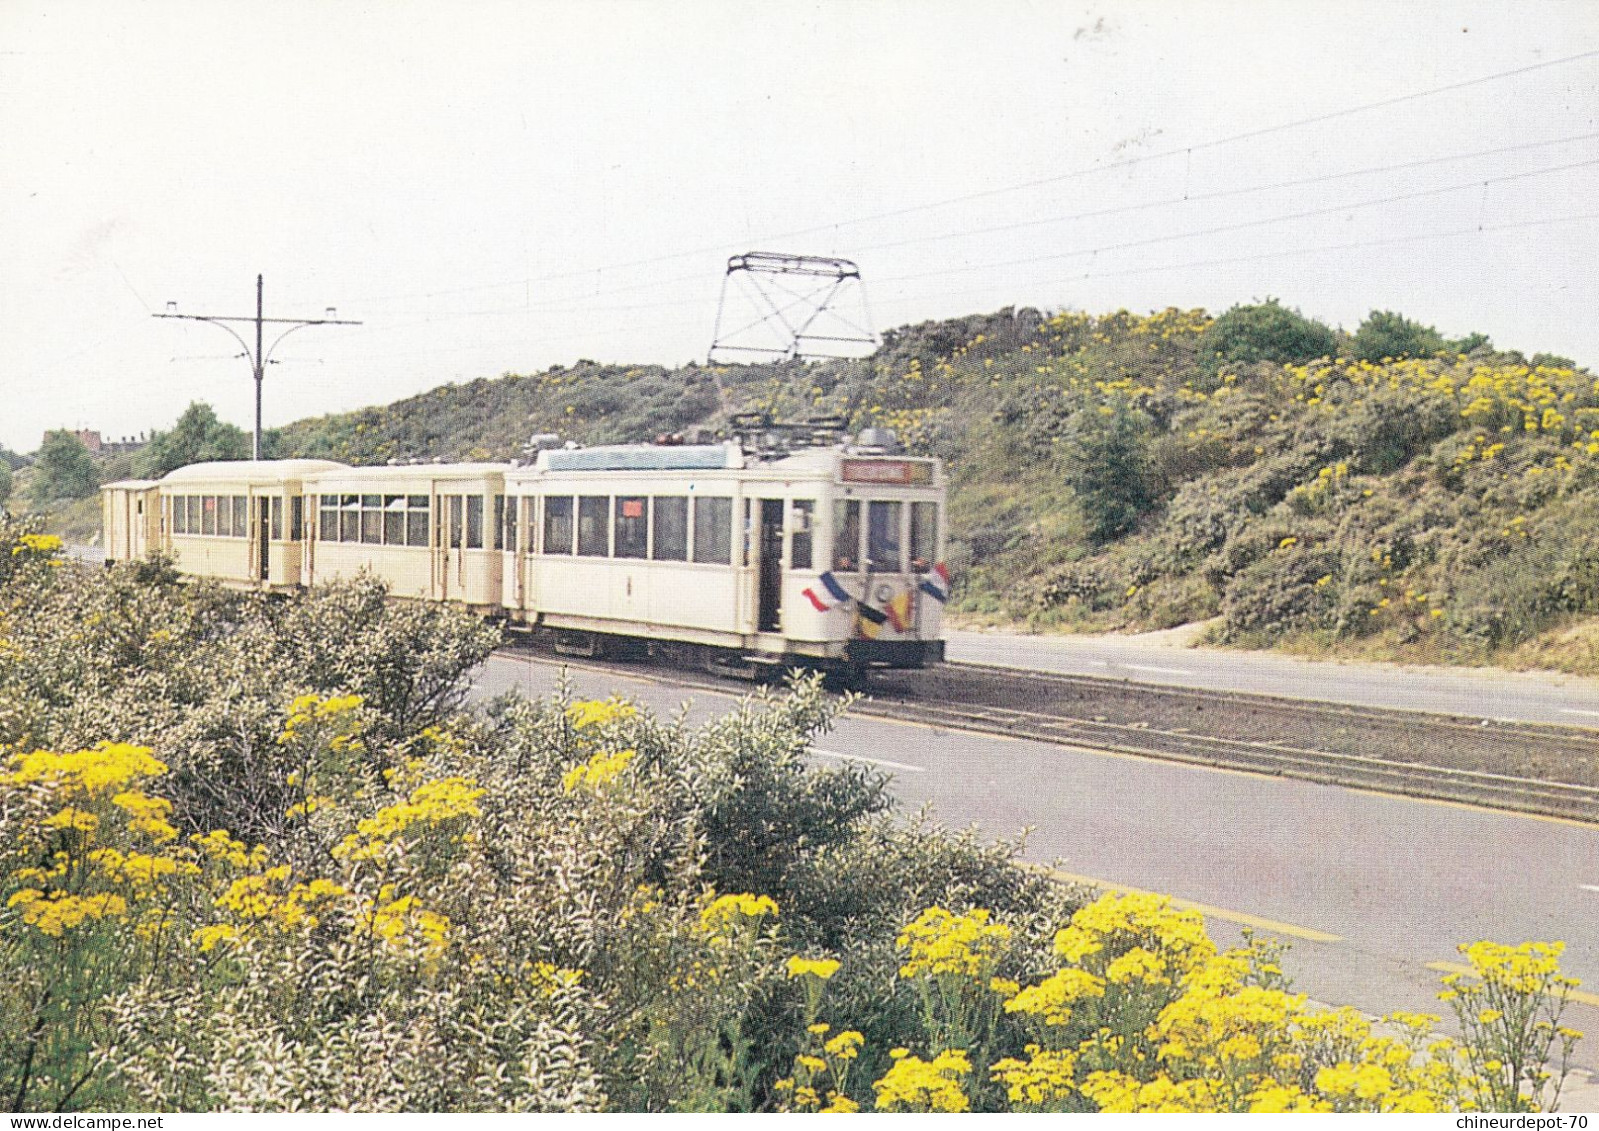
(259, 357)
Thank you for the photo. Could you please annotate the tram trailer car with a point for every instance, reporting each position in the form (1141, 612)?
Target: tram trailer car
(822, 556)
(240, 522)
(711, 554)
(431, 531)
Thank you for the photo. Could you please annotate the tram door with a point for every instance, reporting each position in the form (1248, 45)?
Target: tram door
(771, 566)
(263, 528)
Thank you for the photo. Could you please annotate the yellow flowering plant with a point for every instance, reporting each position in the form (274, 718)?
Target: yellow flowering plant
(1510, 1006)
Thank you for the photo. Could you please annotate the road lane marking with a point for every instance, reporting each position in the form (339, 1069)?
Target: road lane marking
(1159, 671)
(946, 728)
(871, 761)
(1575, 711)
(1589, 887)
(1243, 919)
(1456, 968)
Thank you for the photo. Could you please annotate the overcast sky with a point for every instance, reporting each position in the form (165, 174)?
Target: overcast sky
(494, 187)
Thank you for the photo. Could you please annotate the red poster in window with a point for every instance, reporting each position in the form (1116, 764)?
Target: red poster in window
(632, 508)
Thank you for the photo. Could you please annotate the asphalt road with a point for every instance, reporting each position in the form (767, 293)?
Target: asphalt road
(1370, 890)
(1534, 697)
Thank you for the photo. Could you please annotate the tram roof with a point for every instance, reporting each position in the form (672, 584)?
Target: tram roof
(250, 471)
(642, 457)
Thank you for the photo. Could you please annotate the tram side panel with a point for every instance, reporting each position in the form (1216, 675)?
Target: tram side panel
(429, 536)
(623, 562)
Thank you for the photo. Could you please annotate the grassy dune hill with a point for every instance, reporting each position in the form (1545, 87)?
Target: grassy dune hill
(1122, 472)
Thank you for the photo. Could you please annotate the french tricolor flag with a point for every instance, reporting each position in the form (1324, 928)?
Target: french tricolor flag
(835, 594)
(936, 584)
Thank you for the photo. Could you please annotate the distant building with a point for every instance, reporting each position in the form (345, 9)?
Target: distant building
(101, 447)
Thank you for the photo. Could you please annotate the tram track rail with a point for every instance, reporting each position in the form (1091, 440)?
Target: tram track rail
(1531, 768)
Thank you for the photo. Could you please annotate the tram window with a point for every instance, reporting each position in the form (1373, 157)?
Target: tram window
(474, 522)
(208, 514)
(504, 524)
(883, 537)
(713, 530)
(241, 514)
(593, 526)
(632, 527)
(671, 529)
(372, 519)
(418, 510)
(349, 518)
(558, 525)
(801, 534)
(180, 515)
(847, 536)
(394, 520)
(924, 536)
(328, 514)
(274, 517)
(453, 520)
(530, 514)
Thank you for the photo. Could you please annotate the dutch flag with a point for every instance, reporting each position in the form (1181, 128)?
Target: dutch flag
(835, 594)
(936, 584)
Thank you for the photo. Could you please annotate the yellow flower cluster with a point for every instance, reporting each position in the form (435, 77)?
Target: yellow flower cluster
(307, 711)
(429, 805)
(914, 1084)
(596, 712)
(727, 912)
(147, 815)
(268, 898)
(404, 924)
(44, 545)
(1530, 968)
(218, 845)
(1044, 1079)
(1121, 1092)
(56, 912)
(106, 767)
(941, 942)
(823, 968)
(144, 873)
(1053, 998)
(1511, 399)
(552, 978)
(600, 770)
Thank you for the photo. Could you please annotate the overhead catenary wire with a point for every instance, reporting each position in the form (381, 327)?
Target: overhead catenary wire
(1123, 163)
(1224, 229)
(653, 284)
(1157, 268)
(580, 304)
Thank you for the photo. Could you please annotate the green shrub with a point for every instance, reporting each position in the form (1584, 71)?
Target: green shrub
(1265, 331)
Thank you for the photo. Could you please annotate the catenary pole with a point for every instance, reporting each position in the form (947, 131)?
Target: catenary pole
(261, 357)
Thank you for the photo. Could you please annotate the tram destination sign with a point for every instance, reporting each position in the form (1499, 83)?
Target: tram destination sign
(897, 471)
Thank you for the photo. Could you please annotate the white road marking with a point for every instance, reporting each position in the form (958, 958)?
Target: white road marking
(1574, 711)
(1589, 887)
(1162, 671)
(871, 761)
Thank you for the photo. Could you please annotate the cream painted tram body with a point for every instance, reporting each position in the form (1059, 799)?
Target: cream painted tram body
(827, 556)
(431, 531)
(819, 555)
(240, 522)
